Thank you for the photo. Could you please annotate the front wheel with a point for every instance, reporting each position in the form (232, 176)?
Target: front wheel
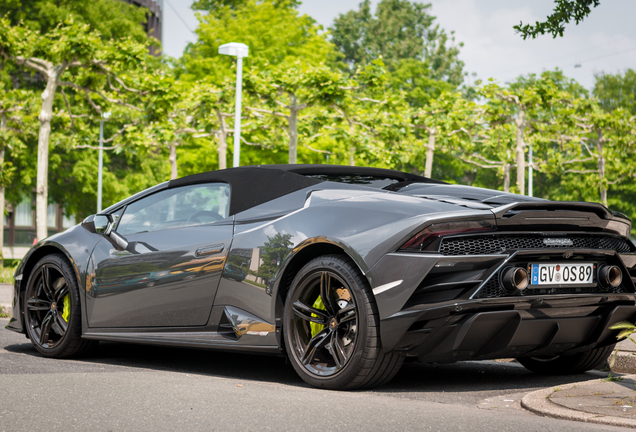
(568, 364)
(52, 309)
(331, 327)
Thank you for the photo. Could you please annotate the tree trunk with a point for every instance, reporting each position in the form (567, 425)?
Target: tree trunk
(3, 124)
(352, 147)
(173, 161)
(506, 179)
(521, 150)
(600, 166)
(222, 150)
(293, 130)
(430, 151)
(41, 191)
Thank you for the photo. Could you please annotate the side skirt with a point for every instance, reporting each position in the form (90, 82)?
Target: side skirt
(230, 329)
(212, 340)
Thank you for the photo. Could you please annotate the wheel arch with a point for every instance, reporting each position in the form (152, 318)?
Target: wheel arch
(31, 260)
(301, 255)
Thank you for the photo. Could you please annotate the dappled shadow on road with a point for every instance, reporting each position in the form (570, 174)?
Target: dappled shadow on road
(477, 376)
(459, 378)
(183, 360)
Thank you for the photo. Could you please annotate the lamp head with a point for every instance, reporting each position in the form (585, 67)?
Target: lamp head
(234, 49)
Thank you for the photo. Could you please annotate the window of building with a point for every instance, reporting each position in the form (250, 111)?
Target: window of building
(176, 208)
(24, 213)
(51, 216)
(68, 221)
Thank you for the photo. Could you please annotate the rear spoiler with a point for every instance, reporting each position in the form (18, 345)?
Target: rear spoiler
(566, 215)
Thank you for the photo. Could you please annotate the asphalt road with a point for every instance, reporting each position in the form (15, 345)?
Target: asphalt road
(122, 387)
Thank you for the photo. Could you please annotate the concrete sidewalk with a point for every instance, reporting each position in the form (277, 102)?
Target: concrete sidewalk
(6, 297)
(599, 401)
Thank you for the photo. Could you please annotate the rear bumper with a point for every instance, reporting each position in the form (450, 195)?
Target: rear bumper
(481, 335)
(450, 308)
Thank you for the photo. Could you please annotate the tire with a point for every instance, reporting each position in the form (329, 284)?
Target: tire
(52, 311)
(331, 328)
(568, 364)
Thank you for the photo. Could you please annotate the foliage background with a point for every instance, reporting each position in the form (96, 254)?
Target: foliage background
(384, 89)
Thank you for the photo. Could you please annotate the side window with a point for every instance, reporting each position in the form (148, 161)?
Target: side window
(176, 208)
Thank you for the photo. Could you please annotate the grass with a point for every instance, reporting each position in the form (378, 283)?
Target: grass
(6, 274)
(4, 314)
(611, 378)
(7, 270)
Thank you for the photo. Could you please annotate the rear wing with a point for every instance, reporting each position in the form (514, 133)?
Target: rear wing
(566, 215)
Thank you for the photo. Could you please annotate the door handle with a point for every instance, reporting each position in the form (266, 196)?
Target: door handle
(209, 250)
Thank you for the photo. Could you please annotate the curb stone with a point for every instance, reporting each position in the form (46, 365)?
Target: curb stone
(538, 402)
(625, 362)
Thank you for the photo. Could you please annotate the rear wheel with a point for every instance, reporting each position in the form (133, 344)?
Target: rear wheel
(52, 309)
(331, 327)
(568, 364)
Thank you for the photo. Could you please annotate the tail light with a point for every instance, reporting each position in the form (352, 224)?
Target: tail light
(430, 234)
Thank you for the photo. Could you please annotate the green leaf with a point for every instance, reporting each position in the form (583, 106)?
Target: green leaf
(622, 325)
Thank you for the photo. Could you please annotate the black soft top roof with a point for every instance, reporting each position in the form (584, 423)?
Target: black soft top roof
(258, 184)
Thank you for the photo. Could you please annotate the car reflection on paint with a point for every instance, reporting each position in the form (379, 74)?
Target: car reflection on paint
(233, 272)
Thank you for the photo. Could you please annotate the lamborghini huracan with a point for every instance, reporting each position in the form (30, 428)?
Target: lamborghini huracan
(347, 271)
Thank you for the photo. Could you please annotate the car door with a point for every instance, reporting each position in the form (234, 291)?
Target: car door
(168, 276)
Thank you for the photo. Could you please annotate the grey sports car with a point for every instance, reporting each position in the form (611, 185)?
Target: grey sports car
(345, 270)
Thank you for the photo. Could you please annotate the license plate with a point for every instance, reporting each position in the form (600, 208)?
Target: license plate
(562, 274)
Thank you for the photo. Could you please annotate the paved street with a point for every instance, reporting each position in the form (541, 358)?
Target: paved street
(6, 295)
(133, 387)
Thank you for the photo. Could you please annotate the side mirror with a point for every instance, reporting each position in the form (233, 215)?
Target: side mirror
(103, 224)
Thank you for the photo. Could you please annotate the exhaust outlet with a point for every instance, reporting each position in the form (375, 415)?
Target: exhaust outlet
(515, 278)
(610, 276)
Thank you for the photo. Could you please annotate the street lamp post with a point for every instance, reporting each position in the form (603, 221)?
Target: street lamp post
(239, 50)
(101, 160)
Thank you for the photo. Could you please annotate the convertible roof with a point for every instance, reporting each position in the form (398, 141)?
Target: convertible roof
(258, 184)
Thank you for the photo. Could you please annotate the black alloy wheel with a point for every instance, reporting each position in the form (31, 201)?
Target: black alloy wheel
(331, 327)
(325, 347)
(52, 309)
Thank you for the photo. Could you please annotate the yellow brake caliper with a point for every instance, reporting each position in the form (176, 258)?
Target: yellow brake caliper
(316, 328)
(66, 304)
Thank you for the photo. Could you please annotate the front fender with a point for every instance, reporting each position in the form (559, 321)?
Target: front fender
(76, 244)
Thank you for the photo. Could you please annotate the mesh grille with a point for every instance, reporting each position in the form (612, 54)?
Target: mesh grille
(493, 289)
(479, 245)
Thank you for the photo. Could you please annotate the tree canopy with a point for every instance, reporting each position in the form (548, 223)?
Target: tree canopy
(616, 91)
(274, 31)
(396, 101)
(399, 31)
(564, 12)
(113, 19)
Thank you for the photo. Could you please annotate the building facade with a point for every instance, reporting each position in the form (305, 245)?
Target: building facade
(155, 19)
(19, 226)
